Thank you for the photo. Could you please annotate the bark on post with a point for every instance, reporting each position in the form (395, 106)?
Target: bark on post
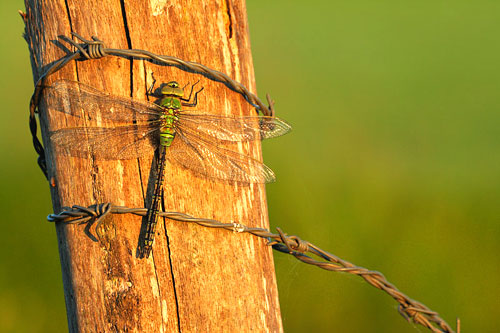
(197, 279)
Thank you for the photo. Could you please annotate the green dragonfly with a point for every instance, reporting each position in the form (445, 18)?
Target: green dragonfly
(197, 141)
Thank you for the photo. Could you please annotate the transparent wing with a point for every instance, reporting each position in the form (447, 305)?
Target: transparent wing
(79, 99)
(195, 153)
(116, 143)
(233, 128)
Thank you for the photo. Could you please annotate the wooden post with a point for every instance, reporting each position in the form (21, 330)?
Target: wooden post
(197, 279)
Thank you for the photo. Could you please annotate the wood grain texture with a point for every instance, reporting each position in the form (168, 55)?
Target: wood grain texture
(197, 279)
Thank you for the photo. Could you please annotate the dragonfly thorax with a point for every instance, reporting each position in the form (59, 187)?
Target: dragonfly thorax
(170, 102)
(168, 123)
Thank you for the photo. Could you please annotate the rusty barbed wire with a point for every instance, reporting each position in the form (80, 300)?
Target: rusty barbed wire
(410, 309)
(95, 48)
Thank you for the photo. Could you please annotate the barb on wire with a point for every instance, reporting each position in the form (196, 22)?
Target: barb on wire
(95, 48)
(410, 309)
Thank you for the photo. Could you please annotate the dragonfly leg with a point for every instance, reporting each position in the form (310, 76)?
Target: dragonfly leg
(195, 100)
(150, 91)
(191, 92)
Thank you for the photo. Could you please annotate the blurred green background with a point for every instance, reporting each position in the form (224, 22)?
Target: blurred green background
(393, 163)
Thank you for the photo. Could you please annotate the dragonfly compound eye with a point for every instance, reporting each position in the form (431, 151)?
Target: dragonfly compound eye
(172, 89)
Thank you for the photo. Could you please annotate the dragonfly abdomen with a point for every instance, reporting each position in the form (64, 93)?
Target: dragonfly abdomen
(153, 211)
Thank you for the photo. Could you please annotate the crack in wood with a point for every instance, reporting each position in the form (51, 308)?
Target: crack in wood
(229, 18)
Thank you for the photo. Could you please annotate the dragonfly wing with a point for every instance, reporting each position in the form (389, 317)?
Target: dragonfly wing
(194, 153)
(114, 143)
(234, 128)
(81, 100)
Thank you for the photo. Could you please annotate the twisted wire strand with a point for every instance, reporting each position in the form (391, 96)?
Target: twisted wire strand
(410, 309)
(95, 48)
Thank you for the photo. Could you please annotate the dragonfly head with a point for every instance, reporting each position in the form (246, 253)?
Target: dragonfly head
(172, 89)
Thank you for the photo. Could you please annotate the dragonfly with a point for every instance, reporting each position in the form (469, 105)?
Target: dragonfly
(195, 140)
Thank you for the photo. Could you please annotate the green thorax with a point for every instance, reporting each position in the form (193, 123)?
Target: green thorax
(171, 104)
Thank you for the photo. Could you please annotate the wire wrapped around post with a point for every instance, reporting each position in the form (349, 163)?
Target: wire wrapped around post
(410, 309)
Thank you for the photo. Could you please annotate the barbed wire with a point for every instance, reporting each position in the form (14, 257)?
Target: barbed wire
(410, 309)
(95, 48)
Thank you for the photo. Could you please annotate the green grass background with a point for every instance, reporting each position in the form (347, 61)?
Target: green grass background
(393, 163)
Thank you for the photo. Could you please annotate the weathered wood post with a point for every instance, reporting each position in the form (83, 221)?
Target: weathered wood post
(197, 279)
